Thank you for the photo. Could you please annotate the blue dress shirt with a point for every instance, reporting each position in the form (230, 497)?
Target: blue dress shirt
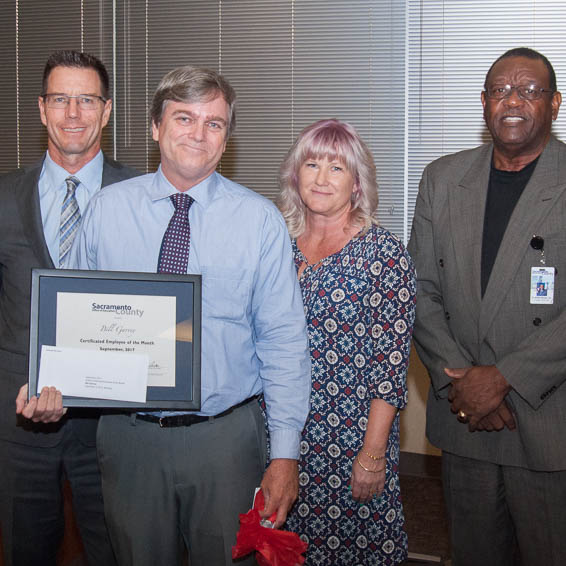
(253, 325)
(52, 190)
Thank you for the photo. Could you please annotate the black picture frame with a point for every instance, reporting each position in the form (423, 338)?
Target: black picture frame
(187, 289)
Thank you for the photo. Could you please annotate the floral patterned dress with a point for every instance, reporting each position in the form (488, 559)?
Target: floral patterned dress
(359, 305)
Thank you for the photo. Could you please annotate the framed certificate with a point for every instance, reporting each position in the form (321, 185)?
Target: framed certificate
(116, 339)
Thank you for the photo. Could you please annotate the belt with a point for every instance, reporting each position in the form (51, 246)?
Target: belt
(188, 420)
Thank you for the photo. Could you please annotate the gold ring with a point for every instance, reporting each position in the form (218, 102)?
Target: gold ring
(462, 417)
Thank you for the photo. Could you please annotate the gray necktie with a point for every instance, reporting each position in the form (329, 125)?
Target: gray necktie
(70, 219)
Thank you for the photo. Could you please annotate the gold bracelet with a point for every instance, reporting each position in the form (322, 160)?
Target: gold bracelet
(374, 458)
(367, 469)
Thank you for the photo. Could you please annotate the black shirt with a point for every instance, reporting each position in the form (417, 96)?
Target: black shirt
(505, 189)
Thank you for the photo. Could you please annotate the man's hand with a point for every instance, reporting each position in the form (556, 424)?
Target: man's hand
(497, 420)
(47, 409)
(280, 486)
(477, 391)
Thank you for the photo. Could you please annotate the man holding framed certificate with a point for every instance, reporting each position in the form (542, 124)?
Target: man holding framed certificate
(171, 477)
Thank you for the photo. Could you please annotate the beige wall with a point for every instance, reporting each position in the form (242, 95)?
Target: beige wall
(413, 418)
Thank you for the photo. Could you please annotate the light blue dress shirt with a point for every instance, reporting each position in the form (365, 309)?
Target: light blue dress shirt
(52, 190)
(253, 324)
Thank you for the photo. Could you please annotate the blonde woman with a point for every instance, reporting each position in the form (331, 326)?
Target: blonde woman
(358, 288)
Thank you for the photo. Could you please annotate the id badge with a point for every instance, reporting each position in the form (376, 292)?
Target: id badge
(542, 285)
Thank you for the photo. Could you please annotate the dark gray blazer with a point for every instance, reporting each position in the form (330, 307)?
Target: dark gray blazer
(23, 247)
(455, 327)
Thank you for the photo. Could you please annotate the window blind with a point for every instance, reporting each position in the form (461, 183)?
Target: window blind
(291, 63)
(407, 74)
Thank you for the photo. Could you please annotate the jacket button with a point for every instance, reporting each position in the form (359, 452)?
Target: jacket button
(441, 262)
(447, 315)
(537, 321)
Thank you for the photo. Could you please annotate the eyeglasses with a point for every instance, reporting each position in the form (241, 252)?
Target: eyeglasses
(525, 92)
(85, 101)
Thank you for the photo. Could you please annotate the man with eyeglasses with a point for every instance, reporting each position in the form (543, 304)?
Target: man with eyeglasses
(489, 231)
(40, 211)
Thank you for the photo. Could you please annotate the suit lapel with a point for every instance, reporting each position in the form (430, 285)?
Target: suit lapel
(113, 172)
(538, 198)
(27, 197)
(108, 173)
(467, 208)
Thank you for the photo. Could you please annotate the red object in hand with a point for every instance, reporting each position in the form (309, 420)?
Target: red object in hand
(273, 547)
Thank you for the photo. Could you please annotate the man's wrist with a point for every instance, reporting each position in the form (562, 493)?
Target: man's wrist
(284, 443)
(503, 384)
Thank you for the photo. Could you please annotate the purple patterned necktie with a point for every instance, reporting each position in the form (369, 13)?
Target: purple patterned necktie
(174, 254)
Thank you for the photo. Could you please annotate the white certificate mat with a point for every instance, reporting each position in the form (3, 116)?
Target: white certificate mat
(132, 324)
(94, 374)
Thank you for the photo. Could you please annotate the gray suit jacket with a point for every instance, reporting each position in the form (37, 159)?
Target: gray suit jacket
(23, 247)
(455, 327)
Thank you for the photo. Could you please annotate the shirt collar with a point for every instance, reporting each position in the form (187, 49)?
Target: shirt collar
(89, 175)
(203, 193)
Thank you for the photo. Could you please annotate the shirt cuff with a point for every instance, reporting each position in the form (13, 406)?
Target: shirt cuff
(284, 443)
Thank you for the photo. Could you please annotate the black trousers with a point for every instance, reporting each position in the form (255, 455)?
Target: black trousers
(31, 501)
